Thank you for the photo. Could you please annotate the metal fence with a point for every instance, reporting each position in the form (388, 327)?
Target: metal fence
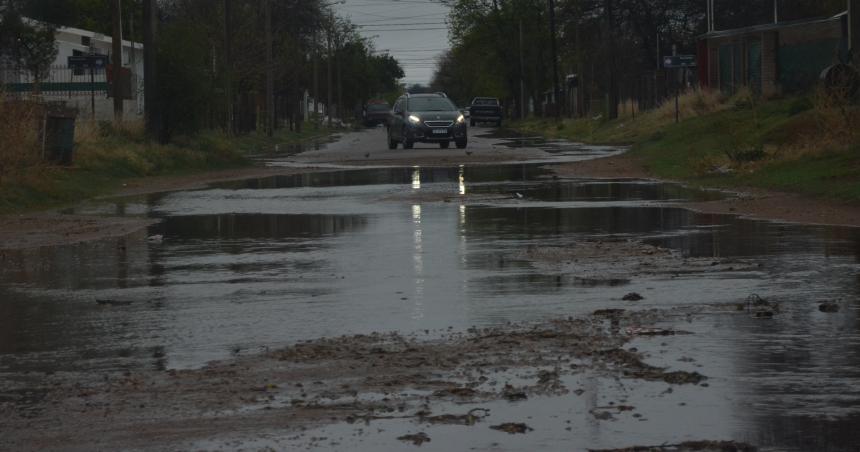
(60, 81)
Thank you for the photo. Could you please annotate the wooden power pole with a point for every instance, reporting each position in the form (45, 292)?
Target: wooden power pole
(328, 108)
(116, 60)
(613, 72)
(229, 125)
(555, 93)
(854, 31)
(152, 111)
(270, 71)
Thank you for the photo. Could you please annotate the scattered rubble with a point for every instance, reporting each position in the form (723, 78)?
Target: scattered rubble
(416, 438)
(512, 428)
(828, 306)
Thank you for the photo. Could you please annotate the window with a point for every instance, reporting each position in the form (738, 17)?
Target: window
(86, 41)
(430, 104)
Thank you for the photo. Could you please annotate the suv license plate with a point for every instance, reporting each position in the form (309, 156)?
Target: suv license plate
(440, 131)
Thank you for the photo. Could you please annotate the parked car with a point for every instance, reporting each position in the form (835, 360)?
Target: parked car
(375, 113)
(426, 118)
(485, 109)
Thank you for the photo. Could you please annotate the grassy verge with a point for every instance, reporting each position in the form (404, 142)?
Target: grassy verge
(805, 144)
(105, 157)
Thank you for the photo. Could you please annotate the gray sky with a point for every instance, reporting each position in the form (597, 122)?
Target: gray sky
(413, 31)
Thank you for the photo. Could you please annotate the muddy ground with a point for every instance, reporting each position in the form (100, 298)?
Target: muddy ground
(31, 230)
(427, 379)
(424, 389)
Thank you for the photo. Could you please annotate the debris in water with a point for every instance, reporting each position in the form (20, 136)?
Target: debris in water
(459, 392)
(688, 446)
(632, 296)
(416, 439)
(513, 394)
(114, 302)
(512, 427)
(470, 418)
(828, 306)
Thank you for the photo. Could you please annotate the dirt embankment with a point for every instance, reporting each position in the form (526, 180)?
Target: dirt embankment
(748, 202)
(31, 230)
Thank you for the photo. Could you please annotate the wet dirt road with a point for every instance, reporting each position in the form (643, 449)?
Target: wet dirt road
(447, 254)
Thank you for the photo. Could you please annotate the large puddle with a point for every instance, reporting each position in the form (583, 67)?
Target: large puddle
(263, 263)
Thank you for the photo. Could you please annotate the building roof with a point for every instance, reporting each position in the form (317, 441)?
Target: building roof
(90, 34)
(772, 26)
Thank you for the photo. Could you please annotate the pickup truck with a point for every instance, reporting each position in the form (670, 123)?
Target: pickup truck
(485, 109)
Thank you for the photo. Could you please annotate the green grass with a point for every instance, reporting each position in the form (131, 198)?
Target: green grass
(689, 150)
(108, 158)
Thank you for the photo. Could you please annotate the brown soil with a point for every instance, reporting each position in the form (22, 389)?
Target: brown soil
(50, 229)
(332, 380)
(749, 202)
(33, 230)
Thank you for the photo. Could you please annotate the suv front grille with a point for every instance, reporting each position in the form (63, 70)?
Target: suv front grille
(439, 123)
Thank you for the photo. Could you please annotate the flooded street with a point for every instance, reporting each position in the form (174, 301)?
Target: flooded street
(430, 252)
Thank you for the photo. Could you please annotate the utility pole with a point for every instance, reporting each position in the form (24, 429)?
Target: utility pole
(316, 79)
(522, 77)
(555, 93)
(228, 68)
(613, 76)
(270, 71)
(340, 110)
(776, 11)
(151, 109)
(116, 60)
(853, 31)
(329, 109)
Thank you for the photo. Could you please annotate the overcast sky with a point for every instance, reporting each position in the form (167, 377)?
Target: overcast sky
(413, 31)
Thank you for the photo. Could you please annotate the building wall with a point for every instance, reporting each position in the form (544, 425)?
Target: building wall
(792, 57)
(70, 41)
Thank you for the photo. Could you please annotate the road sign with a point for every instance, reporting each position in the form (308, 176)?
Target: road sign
(679, 61)
(88, 61)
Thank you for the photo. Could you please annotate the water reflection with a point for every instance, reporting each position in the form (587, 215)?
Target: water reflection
(241, 267)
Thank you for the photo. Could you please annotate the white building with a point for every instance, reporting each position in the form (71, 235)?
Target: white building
(77, 87)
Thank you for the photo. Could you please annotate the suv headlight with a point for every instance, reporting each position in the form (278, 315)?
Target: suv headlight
(414, 119)
(461, 119)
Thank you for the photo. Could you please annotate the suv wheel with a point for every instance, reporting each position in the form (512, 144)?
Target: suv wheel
(461, 144)
(392, 144)
(444, 145)
(407, 144)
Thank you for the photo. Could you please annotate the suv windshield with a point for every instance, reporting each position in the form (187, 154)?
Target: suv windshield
(485, 101)
(430, 104)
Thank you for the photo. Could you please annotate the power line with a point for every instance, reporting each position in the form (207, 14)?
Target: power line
(400, 25)
(420, 16)
(374, 30)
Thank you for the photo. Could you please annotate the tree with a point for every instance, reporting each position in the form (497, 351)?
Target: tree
(26, 44)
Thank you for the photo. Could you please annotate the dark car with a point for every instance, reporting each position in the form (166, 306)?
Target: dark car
(375, 113)
(426, 118)
(485, 109)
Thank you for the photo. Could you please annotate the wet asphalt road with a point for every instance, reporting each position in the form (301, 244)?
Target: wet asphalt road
(268, 262)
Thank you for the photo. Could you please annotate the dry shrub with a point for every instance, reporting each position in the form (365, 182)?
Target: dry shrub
(831, 125)
(20, 124)
(691, 103)
(837, 116)
(86, 132)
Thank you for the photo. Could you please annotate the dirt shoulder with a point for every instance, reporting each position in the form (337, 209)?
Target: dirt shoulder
(32, 230)
(747, 202)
